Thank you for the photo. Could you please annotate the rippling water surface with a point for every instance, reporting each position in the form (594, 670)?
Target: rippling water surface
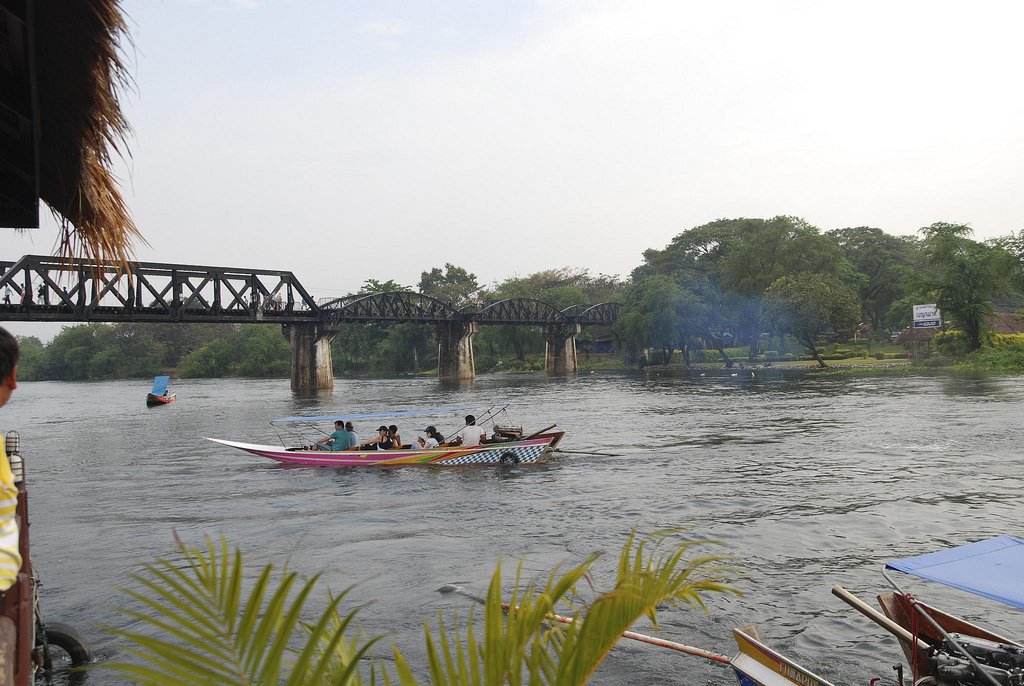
(808, 481)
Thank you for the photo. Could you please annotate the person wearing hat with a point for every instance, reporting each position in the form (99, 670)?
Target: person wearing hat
(433, 438)
(470, 435)
(382, 442)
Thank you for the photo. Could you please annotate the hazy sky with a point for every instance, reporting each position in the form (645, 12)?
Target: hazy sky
(353, 140)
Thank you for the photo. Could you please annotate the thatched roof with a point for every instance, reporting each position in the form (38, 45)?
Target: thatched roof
(73, 62)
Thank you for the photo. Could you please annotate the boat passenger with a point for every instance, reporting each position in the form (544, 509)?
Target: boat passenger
(471, 434)
(396, 440)
(381, 442)
(352, 435)
(339, 440)
(433, 438)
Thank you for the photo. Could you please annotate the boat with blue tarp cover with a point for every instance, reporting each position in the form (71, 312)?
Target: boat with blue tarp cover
(943, 649)
(158, 395)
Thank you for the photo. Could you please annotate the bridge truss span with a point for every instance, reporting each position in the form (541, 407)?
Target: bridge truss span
(521, 311)
(396, 306)
(42, 288)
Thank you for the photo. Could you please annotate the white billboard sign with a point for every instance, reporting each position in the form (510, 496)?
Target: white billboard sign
(927, 317)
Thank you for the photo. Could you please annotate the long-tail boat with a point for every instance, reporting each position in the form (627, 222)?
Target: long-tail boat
(158, 395)
(942, 649)
(507, 446)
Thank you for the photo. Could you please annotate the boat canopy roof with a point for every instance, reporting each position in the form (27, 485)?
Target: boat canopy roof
(160, 385)
(371, 415)
(992, 568)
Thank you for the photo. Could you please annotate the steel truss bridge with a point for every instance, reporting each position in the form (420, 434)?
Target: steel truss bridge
(42, 288)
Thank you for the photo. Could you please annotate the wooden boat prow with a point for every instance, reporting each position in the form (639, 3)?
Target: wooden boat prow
(758, 665)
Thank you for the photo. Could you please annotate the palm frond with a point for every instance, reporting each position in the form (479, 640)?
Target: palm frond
(521, 644)
(197, 626)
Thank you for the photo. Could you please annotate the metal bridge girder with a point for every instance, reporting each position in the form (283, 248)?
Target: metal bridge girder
(53, 289)
(398, 306)
(521, 311)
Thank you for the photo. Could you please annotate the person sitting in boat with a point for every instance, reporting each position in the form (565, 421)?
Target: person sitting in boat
(352, 435)
(339, 440)
(432, 440)
(381, 442)
(470, 435)
(396, 440)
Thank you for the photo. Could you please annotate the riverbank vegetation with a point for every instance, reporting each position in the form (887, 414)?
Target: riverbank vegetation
(777, 291)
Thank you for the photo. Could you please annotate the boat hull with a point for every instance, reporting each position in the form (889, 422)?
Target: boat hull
(758, 665)
(527, 451)
(152, 400)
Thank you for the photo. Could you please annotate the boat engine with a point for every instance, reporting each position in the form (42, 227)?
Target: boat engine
(1004, 663)
(507, 433)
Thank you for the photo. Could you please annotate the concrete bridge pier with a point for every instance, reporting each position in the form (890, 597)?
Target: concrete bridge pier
(311, 357)
(560, 348)
(455, 350)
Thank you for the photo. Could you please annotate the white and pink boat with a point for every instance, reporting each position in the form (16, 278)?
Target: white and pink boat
(508, 446)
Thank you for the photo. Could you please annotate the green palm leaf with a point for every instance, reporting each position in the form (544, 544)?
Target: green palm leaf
(198, 627)
(520, 643)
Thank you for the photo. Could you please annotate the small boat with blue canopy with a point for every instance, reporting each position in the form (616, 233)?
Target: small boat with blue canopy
(942, 649)
(506, 445)
(158, 395)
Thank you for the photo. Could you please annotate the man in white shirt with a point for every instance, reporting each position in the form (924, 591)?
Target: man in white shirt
(470, 435)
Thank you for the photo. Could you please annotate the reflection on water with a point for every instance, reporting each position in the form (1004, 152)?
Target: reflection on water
(807, 481)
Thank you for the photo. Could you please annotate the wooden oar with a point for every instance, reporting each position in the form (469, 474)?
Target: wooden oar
(643, 638)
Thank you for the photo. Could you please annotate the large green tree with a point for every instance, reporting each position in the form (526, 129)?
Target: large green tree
(659, 313)
(965, 275)
(560, 288)
(883, 268)
(729, 263)
(252, 350)
(806, 305)
(454, 285)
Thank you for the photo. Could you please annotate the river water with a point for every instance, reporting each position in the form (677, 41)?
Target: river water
(807, 481)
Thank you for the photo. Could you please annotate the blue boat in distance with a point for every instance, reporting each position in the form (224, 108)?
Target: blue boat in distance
(158, 395)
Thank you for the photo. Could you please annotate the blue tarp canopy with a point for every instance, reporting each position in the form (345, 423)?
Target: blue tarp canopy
(373, 415)
(993, 568)
(160, 385)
